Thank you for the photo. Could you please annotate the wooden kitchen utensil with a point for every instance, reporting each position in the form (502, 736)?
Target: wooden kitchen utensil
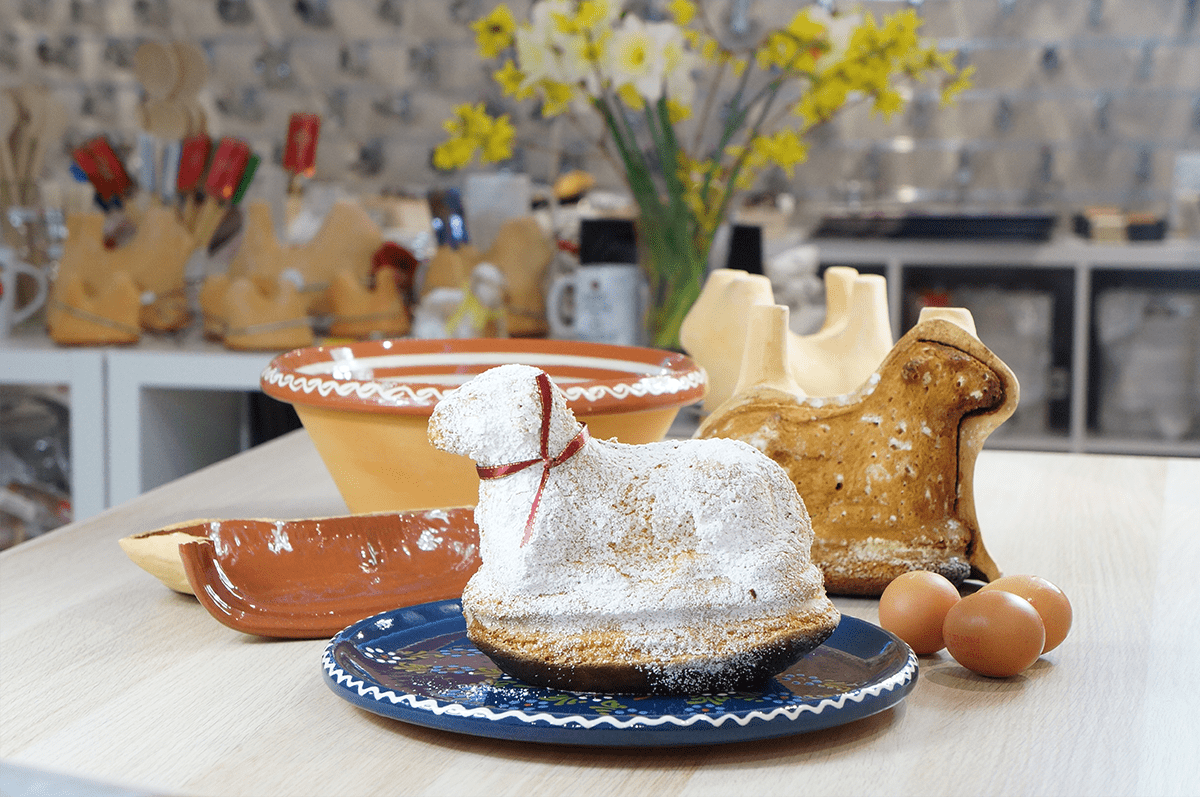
(10, 116)
(157, 68)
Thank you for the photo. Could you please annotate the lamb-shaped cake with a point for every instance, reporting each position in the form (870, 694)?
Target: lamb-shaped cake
(672, 567)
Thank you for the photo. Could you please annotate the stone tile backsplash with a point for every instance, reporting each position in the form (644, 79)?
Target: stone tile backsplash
(1076, 102)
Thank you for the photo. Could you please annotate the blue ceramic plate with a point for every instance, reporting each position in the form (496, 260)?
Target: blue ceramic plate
(417, 665)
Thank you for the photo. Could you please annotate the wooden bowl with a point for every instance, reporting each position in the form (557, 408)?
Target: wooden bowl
(366, 406)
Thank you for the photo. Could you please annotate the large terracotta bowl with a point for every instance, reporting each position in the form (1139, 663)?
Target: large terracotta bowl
(366, 406)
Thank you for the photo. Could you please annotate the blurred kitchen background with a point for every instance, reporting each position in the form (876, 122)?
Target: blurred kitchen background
(1076, 103)
(1081, 133)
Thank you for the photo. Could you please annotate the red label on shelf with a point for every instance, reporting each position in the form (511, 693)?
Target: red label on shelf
(102, 166)
(228, 166)
(193, 159)
(300, 155)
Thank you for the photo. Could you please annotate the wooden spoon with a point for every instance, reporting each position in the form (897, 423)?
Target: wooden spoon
(33, 101)
(157, 68)
(10, 114)
(193, 70)
(165, 119)
(54, 124)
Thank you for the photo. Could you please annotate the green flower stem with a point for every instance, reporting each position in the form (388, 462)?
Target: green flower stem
(732, 124)
(666, 232)
(637, 168)
(676, 267)
(714, 85)
(659, 124)
(731, 183)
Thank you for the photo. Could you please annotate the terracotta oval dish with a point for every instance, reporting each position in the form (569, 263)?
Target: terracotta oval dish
(366, 405)
(308, 579)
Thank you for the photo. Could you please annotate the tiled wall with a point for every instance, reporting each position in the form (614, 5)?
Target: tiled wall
(1076, 101)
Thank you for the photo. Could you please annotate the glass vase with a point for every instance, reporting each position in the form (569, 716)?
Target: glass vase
(675, 260)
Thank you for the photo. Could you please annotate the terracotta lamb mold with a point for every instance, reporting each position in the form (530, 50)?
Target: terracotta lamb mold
(886, 471)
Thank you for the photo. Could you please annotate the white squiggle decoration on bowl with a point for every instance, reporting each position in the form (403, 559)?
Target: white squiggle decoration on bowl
(432, 705)
(405, 396)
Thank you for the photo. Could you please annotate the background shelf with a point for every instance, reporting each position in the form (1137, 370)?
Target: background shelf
(1073, 273)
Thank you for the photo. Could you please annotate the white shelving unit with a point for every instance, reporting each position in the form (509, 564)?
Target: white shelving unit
(174, 408)
(140, 415)
(1082, 259)
(146, 414)
(34, 360)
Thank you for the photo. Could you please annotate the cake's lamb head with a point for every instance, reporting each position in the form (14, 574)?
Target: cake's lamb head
(496, 418)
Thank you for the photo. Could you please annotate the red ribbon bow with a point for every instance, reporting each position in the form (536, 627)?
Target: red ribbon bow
(548, 462)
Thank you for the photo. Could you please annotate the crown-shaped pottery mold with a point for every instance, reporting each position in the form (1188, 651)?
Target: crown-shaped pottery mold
(849, 346)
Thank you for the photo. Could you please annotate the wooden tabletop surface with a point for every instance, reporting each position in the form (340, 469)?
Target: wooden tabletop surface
(108, 676)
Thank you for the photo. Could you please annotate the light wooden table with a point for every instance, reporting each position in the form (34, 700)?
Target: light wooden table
(106, 675)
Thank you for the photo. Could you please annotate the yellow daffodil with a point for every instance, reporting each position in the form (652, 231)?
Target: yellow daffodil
(556, 97)
(596, 16)
(512, 80)
(961, 82)
(683, 11)
(494, 32)
(636, 58)
(578, 58)
(677, 111)
(626, 67)
(628, 94)
(472, 130)
(533, 57)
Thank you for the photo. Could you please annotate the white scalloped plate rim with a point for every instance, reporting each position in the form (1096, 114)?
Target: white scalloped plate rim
(345, 680)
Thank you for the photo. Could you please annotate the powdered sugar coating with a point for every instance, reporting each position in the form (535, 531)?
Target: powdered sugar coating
(639, 519)
(670, 553)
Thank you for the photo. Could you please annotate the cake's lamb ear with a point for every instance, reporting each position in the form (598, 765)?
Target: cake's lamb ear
(496, 418)
(444, 431)
(460, 422)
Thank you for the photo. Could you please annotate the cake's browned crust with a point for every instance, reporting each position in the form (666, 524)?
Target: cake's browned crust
(887, 473)
(601, 662)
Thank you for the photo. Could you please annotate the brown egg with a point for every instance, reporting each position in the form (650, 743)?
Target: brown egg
(994, 633)
(913, 607)
(1049, 601)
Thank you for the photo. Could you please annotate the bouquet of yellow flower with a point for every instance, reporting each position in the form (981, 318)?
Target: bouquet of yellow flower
(642, 79)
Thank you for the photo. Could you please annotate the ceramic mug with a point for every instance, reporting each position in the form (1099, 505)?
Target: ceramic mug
(11, 271)
(609, 302)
